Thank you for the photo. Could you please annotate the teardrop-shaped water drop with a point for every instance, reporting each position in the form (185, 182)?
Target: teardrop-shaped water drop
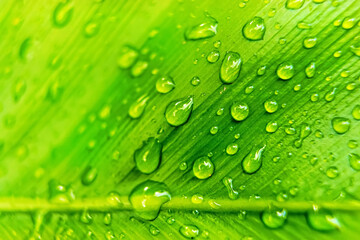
(274, 218)
(322, 220)
(228, 182)
(239, 111)
(340, 124)
(89, 175)
(138, 107)
(230, 67)
(165, 84)
(203, 168)
(206, 29)
(310, 70)
(309, 42)
(305, 131)
(148, 157)
(254, 30)
(252, 161)
(63, 13)
(178, 112)
(147, 198)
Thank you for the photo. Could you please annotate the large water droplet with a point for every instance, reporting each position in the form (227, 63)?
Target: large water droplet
(239, 111)
(189, 231)
(309, 42)
(252, 161)
(138, 107)
(274, 218)
(147, 198)
(63, 13)
(285, 71)
(203, 168)
(271, 106)
(322, 220)
(340, 124)
(348, 23)
(230, 67)
(148, 157)
(206, 29)
(254, 29)
(294, 4)
(178, 112)
(89, 175)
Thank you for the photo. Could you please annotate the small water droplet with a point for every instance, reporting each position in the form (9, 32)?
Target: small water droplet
(63, 13)
(127, 57)
(232, 149)
(154, 230)
(139, 68)
(271, 106)
(138, 107)
(354, 160)
(178, 112)
(165, 84)
(271, 127)
(214, 130)
(89, 175)
(254, 30)
(310, 70)
(314, 97)
(148, 157)
(203, 168)
(330, 96)
(261, 70)
(249, 89)
(294, 4)
(230, 67)
(304, 25)
(189, 231)
(107, 219)
(332, 172)
(305, 131)
(206, 29)
(309, 42)
(356, 112)
(285, 71)
(91, 28)
(147, 198)
(340, 124)
(252, 161)
(195, 81)
(239, 111)
(213, 56)
(228, 182)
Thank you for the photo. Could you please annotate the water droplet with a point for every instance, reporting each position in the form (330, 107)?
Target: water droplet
(228, 182)
(86, 218)
(314, 97)
(147, 198)
(294, 4)
(356, 112)
(271, 106)
(232, 149)
(285, 71)
(304, 25)
(60, 194)
(322, 220)
(348, 23)
(309, 42)
(203, 168)
(197, 198)
(220, 111)
(127, 57)
(148, 157)
(230, 67)
(91, 28)
(337, 54)
(165, 84)
(214, 130)
(63, 13)
(332, 172)
(319, 134)
(239, 111)
(113, 198)
(217, 44)
(254, 29)
(354, 160)
(89, 175)
(189, 231)
(261, 70)
(310, 70)
(274, 218)
(282, 41)
(138, 107)
(139, 68)
(272, 12)
(25, 52)
(154, 230)
(249, 89)
(319, 1)
(271, 126)
(351, 86)
(107, 219)
(252, 161)
(206, 29)
(305, 131)
(213, 56)
(289, 130)
(352, 144)
(178, 112)
(329, 96)
(242, 215)
(195, 81)
(340, 124)
(293, 190)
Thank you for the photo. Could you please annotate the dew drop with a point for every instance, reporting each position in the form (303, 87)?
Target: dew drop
(340, 124)
(189, 231)
(274, 218)
(309, 42)
(294, 4)
(322, 220)
(271, 106)
(127, 57)
(332, 172)
(232, 149)
(230, 67)
(239, 111)
(330, 96)
(107, 219)
(213, 56)
(91, 28)
(310, 70)
(348, 23)
(89, 175)
(305, 131)
(356, 112)
(147, 198)
(195, 81)
(63, 13)
(228, 182)
(354, 160)
(214, 130)
(59, 193)
(148, 157)
(254, 30)
(206, 29)
(304, 25)
(154, 230)
(203, 168)
(165, 84)
(271, 127)
(139, 68)
(138, 107)
(285, 71)
(178, 112)
(252, 161)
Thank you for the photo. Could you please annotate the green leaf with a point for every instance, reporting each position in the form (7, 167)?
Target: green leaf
(85, 83)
